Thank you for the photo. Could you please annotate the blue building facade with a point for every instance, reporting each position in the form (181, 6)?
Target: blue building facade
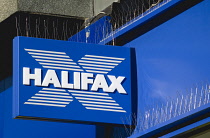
(172, 48)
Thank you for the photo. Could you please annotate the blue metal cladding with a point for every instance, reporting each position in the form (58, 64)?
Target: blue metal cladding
(56, 102)
(173, 70)
(175, 55)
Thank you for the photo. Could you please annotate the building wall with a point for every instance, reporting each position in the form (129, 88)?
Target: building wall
(101, 5)
(7, 8)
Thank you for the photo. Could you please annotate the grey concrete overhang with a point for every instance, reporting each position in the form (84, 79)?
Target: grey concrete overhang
(76, 8)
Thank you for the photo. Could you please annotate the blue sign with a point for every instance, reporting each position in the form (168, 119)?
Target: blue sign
(72, 81)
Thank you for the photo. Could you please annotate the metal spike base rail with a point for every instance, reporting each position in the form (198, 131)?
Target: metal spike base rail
(48, 27)
(136, 10)
(158, 113)
(123, 15)
(129, 11)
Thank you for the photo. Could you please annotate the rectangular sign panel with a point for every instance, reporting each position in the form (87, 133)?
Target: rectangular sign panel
(72, 81)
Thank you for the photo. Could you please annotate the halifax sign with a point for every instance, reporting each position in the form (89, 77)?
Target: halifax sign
(73, 82)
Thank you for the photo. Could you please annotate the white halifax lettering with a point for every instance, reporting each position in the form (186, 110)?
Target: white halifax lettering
(80, 80)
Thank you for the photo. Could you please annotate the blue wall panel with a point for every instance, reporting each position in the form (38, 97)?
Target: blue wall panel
(174, 56)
